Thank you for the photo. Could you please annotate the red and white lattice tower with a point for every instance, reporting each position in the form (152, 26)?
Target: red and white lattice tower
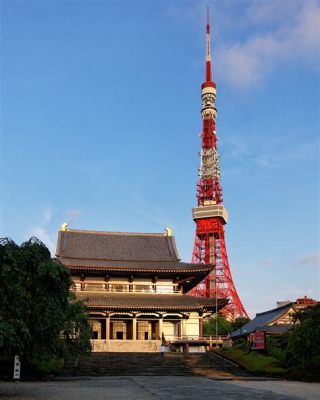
(210, 215)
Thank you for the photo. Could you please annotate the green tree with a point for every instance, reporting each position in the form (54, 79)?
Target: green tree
(304, 339)
(14, 301)
(239, 322)
(76, 331)
(223, 326)
(39, 319)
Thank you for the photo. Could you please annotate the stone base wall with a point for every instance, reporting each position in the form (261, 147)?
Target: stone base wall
(126, 346)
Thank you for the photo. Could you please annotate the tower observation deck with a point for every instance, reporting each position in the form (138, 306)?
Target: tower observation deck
(210, 214)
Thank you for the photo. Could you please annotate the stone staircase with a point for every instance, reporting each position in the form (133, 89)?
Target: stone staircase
(134, 364)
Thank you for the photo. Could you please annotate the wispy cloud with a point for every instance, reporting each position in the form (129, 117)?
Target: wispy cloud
(268, 34)
(40, 230)
(148, 211)
(43, 231)
(272, 156)
(268, 263)
(268, 13)
(47, 214)
(43, 234)
(311, 259)
(247, 63)
(72, 215)
(280, 158)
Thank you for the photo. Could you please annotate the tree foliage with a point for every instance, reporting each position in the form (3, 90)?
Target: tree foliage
(217, 325)
(239, 322)
(38, 317)
(222, 325)
(304, 339)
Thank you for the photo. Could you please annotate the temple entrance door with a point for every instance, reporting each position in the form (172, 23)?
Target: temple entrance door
(118, 330)
(97, 331)
(144, 330)
(129, 326)
(119, 335)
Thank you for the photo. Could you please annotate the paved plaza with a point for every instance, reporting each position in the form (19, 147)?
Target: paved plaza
(164, 387)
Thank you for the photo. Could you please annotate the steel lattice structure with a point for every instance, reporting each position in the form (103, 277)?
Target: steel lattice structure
(210, 215)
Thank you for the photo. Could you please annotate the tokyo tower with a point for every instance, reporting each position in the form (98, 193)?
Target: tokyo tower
(210, 215)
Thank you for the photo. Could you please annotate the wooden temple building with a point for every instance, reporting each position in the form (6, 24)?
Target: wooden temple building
(135, 288)
(274, 322)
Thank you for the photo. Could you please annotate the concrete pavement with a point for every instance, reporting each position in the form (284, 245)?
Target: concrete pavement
(159, 387)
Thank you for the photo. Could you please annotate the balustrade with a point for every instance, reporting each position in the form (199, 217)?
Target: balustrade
(125, 288)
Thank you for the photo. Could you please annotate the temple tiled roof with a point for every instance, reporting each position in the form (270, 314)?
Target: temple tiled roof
(124, 252)
(145, 301)
(116, 246)
(116, 253)
(262, 320)
(277, 329)
(132, 266)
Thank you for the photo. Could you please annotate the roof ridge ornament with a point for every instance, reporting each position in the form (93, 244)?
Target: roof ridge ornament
(64, 227)
(169, 231)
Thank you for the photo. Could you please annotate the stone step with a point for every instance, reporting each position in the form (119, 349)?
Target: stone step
(111, 364)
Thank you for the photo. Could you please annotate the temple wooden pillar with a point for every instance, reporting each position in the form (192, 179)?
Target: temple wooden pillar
(160, 327)
(200, 325)
(134, 327)
(108, 327)
(184, 327)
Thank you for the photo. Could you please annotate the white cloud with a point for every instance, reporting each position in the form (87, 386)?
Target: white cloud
(268, 33)
(47, 214)
(247, 63)
(42, 234)
(40, 231)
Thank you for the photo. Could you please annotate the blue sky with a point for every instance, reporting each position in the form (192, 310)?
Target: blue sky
(100, 126)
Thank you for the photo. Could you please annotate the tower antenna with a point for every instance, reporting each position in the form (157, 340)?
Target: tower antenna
(208, 50)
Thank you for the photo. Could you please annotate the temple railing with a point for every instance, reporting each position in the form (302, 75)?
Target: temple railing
(124, 289)
(172, 338)
(213, 339)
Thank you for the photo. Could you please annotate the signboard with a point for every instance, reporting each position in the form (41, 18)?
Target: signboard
(259, 341)
(16, 368)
